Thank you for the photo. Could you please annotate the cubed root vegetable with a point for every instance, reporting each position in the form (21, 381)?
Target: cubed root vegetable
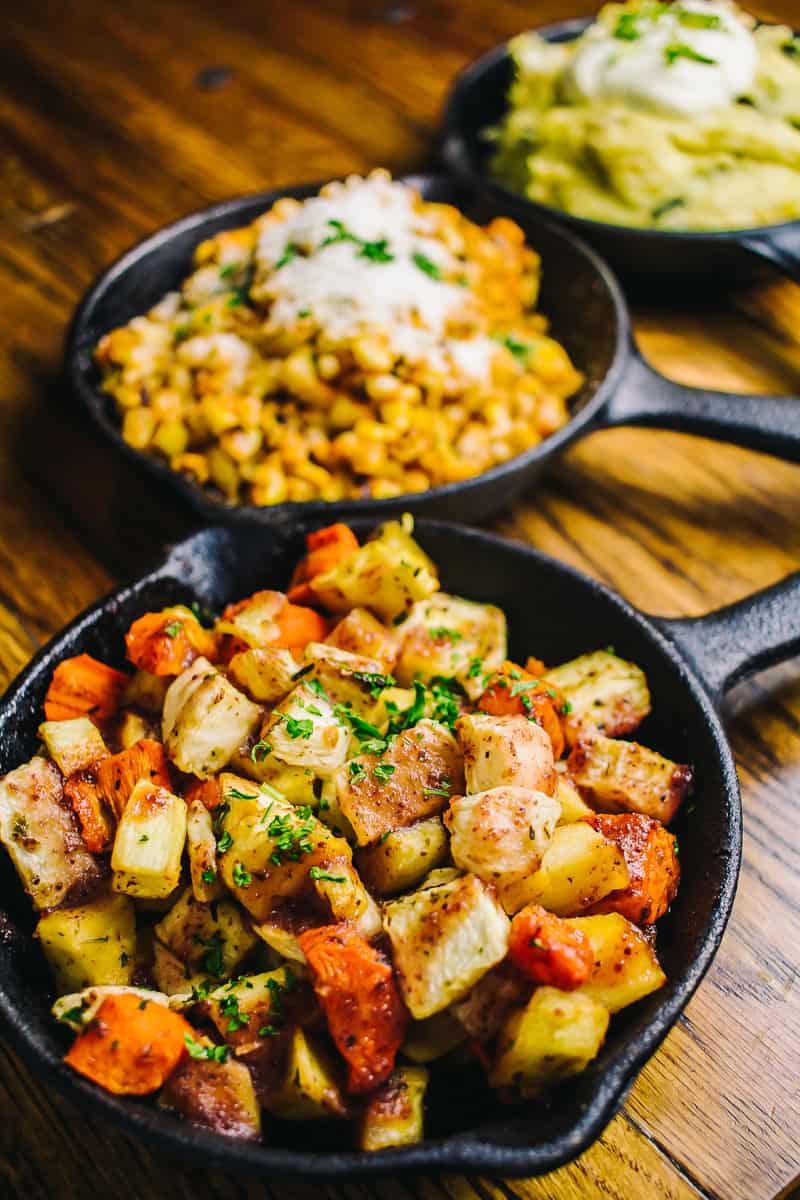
(362, 1005)
(651, 856)
(165, 643)
(84, 687)
(326, 548)
(556, 1035)
(549, 950)
(146, 859)
(625, 967)
(217, 1095)
(131, 1047)
(93, 943)
(393, 1115)
(118, 775)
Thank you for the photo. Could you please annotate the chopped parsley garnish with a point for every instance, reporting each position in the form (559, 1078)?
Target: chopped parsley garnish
(213, 961)
(316, 687)
(260, 751)
(626, 28)
(523, 685)
(181, 332)
(241, 877)
(447, 696)
(145, 837)
(678, 50)
(475, 667)
(414, 713)
(229, 1007)
(520, 350)
(424, 263)
(229, 271)
(299, 728)
(383, 771)
(697, 20)
(445, 790)
(384, 837)
(19, 827)
(536, 943)
(225, 842)
(218, 1054)
(375, 682)
(318, 873)
(792, 49)
(290, 252)
(208, 876)
(356, 769)
(173, 629)
(303, 313)
(203, 616)
(72, 1015)
(237, 794)
(291, 840)
(377, 251)
(667, 206)
(440, 632)
(268, 1031)
(371, 738)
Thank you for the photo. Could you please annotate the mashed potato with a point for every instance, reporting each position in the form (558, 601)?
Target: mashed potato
(669, 116)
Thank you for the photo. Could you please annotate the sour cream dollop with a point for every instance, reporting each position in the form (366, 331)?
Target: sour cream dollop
(689, 58)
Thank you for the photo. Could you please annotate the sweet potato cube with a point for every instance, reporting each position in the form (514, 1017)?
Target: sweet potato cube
(651, 856)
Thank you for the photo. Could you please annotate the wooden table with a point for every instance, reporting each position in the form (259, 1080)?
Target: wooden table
(115, 118)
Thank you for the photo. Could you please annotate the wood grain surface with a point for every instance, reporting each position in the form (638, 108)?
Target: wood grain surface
(115, 118)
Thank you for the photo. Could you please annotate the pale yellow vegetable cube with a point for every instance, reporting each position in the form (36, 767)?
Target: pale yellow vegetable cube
(573, 806)
(146, 858)
(205, 719)
(579, 867)
(625, 964)
(311, 1087)
(394, 1114)
(209, 938)
(94, 943)
(622, 776)
(265, 673)
(72, 745)
(402, 859)
(605, 693)
(449, 636)
(556, 1035)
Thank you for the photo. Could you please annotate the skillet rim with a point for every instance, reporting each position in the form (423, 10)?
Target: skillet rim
(468, 77)
(78, 367)
(456, 1153)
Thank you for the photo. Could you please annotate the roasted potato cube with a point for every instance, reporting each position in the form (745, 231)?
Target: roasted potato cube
(412, 780)
(577, 870)
(626, 968)
(146, 858)
(211, 939)
(434, 1037)
(91, 944)
(205, 719)
(386, 575)
(505, 751)
(573, 806)
(253, 620)
(73, 745)
(620, 776)
(446, 635)
(402, 858)
(133, 727)
(257, 760)
(556, 1035)
(501, 835)
(78, 1008)
(265, 674)
(202, 849)
(604, 692)
(146, 691)
(651, 856)
(394, 1114)
(217, 1095)
(444, 939)
(40, 832)
(311, 1086)
(304, 731)
(362, 633)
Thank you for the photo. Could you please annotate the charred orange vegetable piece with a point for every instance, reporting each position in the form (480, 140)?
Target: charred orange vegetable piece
(325, 548)
(165, 643)
(651, 856)
(131, 1046)
(96, 824)
(84, 687)
(118, 775)
(513, 691)
(549, 950)
(356, 988)
(207, 791)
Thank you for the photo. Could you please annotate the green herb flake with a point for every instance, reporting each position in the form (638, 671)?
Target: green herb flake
(299, 728)
(445, 790)
(375, 682)
(678, 50)
(383, 771)
(667, 206)
(208, 876)
(241, 877)
(261, 750)
(225, 842)
(290, 252)
(318, 873)
(316, 687)
(173, 629)
(475, 668)
(197, 1050)
(145, 837)
(213, 961)
(536, 943)
(792, 49)
(424, 264)
(229, 1007)
(356, 769)
(73, 1015)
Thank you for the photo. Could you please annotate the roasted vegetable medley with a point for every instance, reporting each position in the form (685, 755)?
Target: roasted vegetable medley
(298, 853)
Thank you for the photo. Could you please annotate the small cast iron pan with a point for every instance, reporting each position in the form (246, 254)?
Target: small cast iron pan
(641, 256)
(587, 313)
(555, 612)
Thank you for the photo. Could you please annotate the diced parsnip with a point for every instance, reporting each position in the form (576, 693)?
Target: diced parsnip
(618, 776)
(605, 693)
(345, 678)
(444, 938)
(402, 859)
(92, 944)
(447, 635)
(40, 832)
(174, 978)
(577, 870)
(304, 731)
(342, 891)
(211, 939)
(201, 846)
(294, 783)
(118, 775)
(573, 806)
(505, 751)
(311, 1087)
(412, 780)
(651, 855)
(626, 968)
(78, 1008)
(253, 620)
(362, 633)
(386, 575)
(146, 859)
(133, 727)
(146, 691)
(486, 1007)
(432, 1038)
(394, 1114)
(72, 745)
(556, 1035)
(271, 846)
(262, 1002)
(205, 719)
(220, 1096)
(264, 673)
(501, 835)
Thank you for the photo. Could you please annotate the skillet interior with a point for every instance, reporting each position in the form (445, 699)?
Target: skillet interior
(554, 612)
(579, 295)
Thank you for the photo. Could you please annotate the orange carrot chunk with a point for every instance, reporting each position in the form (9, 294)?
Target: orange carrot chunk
(362, 1005)
(84, 687)
(208, 791)
(549, 950)
(325, 549)
(298, 626)
(96, 823)
(165, 643)
(131, 1046)
(512, 691)
(118, 775)
(651, 857)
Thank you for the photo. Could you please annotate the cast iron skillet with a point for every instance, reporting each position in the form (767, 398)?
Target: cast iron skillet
(478, 100)
(579, 295)
(556, 612)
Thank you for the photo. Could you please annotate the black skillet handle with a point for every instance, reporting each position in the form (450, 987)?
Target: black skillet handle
(645, 397)
(728, 645)
(781, 249)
